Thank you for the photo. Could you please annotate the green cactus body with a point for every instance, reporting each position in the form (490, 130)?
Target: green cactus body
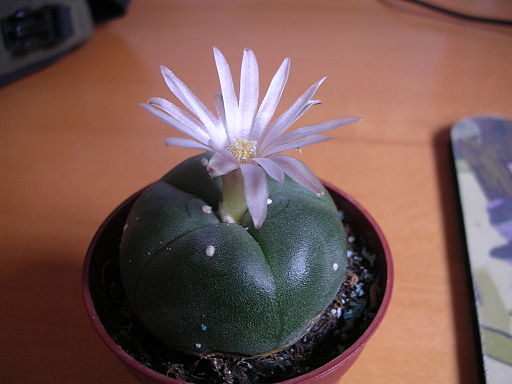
(203, 286)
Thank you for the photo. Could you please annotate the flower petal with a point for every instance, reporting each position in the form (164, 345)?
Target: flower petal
(228, 91)
(256, 192)
(220, 163)
(221, 122)
(267, 143)
(249, 93)
(271, 168)
(219, 105)
(290, 115)
(190, 100)
(195, 133)
(317, 128)
(186, 143)
(271, 100)
(311, 139)
(299, 172)
(304, 109)
(175, 111)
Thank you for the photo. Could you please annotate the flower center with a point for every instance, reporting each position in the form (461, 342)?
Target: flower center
(243, 150)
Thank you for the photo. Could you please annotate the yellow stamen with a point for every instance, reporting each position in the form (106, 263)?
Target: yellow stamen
(243, 150)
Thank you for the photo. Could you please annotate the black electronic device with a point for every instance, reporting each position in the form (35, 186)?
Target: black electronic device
(35, 33)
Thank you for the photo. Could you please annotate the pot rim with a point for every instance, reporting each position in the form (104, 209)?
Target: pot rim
(309, 377)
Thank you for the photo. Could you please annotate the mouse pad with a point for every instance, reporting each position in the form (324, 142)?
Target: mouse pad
(482, 150)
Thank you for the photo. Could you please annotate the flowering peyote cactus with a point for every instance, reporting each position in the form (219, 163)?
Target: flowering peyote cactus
(240, 249)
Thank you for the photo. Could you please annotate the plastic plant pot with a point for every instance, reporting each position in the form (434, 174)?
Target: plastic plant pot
(105, 246)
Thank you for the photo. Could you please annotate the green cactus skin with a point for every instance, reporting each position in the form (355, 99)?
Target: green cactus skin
(204, 286)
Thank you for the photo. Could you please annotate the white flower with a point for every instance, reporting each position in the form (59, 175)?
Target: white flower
(242, 135)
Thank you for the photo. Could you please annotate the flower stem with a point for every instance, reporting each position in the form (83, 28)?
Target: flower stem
(233, 205)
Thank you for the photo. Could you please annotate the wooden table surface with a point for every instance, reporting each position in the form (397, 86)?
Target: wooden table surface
(74, 143)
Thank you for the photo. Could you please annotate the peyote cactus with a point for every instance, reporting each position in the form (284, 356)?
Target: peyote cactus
(243, 263)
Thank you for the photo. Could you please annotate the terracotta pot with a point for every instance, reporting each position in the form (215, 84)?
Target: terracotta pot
(106, 241)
